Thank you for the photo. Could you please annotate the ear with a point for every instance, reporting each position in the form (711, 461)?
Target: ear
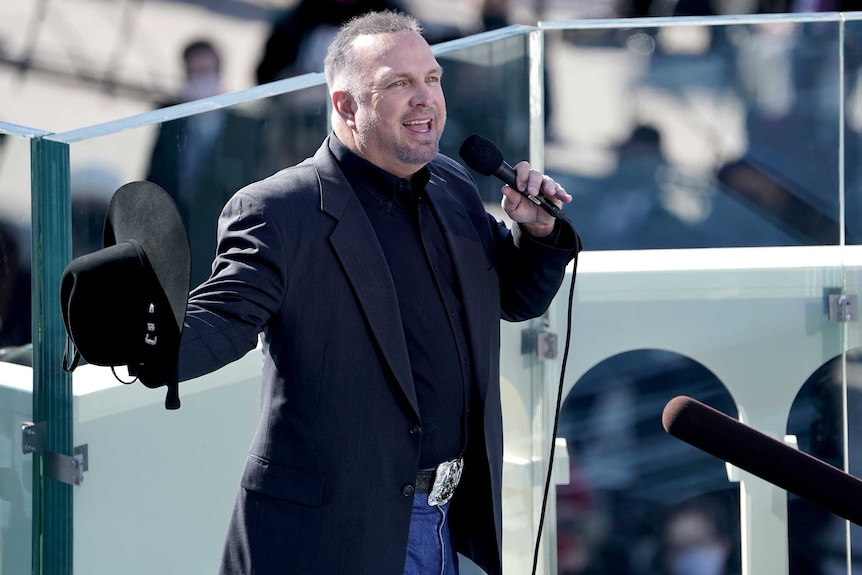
(345, 106)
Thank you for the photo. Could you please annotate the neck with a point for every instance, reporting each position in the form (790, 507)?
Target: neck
(397, 169)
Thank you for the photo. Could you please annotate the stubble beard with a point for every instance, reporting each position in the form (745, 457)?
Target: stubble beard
(368, 134)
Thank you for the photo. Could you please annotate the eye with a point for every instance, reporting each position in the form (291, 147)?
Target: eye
(398, 84)
(434, 80)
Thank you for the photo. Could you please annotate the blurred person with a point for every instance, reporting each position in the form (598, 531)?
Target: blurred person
(299, 37)
(202, 64)
(695, 539)
(658, 8)
(378, 281)
(200, 160)
(202, 73)
(15, 323)
(633, 205)
(494, 14)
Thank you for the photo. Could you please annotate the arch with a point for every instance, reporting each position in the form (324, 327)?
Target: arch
(628, 471)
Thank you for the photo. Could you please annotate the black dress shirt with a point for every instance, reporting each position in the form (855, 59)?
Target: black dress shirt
(428, 298)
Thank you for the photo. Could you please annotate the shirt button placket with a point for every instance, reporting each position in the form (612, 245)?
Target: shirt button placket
(415, 432)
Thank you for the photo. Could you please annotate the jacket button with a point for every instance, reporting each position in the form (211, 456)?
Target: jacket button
(415, 430)
(408, 490)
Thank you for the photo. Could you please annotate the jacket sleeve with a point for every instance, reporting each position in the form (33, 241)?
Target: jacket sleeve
(531, 270)
(227, 312)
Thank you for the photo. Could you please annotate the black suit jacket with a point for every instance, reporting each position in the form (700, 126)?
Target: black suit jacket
(326, 487)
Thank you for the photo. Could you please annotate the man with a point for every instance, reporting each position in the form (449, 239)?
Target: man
(201, 160)
(378, 281)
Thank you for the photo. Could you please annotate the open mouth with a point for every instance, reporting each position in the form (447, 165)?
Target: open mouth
(419, 126)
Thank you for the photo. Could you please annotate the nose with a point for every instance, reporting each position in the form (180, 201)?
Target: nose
(422, 95)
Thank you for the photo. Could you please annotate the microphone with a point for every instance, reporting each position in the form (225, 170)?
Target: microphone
(482, 155)
(790, 469)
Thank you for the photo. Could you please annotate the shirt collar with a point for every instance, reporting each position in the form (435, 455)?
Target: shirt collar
(360, 171)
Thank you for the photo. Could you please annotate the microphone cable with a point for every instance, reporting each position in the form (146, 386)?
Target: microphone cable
(483, 156)
(556, 415)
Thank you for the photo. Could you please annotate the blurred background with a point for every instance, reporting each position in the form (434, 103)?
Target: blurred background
(65, 64)
(73, 63)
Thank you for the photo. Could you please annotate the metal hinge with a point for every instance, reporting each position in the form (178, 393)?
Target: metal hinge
(540, 342)
(65, 468)
(842, 307)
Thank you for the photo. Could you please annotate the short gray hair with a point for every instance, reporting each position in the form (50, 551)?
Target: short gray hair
(340, 59)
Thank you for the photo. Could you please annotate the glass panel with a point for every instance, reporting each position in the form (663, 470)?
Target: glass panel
(487, 93)
(853, 205)
(739, 330)
(153, 475)
(16, 378)
(200, 156)
(827, 412)
(691, 135)
(673, 134)
(853, 127)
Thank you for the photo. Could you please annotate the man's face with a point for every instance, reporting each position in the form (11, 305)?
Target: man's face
(400, 108)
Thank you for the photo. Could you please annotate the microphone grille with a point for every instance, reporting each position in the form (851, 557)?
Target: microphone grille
(481, 154)
(674, 417)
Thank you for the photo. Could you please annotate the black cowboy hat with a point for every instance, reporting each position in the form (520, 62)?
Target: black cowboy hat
(125, 303)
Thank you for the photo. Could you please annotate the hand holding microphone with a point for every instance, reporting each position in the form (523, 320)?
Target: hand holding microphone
(485, 157)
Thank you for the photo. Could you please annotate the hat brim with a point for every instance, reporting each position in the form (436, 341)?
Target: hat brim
(144, 212)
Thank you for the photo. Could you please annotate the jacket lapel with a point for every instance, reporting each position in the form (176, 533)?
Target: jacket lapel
(361, 256)
(471, 271)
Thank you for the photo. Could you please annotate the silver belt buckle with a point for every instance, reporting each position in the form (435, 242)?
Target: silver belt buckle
(446, 478)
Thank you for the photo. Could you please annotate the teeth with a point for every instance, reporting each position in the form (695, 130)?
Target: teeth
(416, 122)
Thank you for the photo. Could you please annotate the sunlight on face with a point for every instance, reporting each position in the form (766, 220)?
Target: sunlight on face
(401, 110)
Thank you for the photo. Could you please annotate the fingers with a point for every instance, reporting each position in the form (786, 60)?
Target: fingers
(533, 220)
(521, 209)
(534, 183)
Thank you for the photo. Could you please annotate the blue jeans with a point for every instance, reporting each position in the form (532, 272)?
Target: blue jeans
(429, 546)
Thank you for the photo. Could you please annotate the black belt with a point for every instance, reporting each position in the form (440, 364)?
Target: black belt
(425, 480)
